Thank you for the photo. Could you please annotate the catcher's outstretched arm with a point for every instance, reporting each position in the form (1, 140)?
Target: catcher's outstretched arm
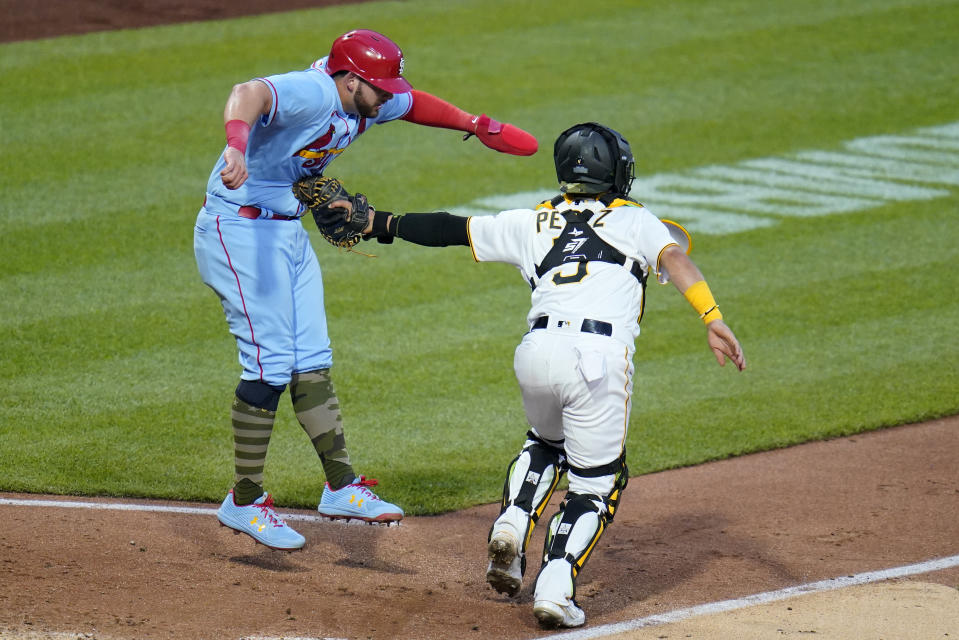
(438, 229)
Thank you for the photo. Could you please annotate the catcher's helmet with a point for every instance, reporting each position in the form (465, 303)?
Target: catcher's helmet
(594, 158)
(372, 56)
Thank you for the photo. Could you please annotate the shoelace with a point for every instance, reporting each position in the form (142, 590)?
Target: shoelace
(364, 483)
(267, 508)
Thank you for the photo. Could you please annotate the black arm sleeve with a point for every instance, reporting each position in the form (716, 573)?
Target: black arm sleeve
(440, 229)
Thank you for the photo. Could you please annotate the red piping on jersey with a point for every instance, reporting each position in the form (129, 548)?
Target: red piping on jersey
(409, 105)
(242, 299)
(349, 140)
(276, 100)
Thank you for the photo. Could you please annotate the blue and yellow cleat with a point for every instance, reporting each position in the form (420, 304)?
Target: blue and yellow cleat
(356, 501)
(260, 522)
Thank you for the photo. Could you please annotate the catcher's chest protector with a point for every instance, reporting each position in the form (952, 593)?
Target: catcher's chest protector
(579, 242)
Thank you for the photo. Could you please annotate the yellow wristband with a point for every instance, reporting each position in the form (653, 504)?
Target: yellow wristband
(703, 302)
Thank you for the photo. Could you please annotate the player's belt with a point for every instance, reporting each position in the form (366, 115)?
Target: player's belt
(254, 212)
(588, 326)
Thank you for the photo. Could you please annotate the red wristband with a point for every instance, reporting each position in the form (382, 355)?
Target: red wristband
(237, 133)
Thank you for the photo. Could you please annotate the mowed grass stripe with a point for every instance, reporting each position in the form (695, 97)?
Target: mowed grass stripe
(109, 285)
(117, 357)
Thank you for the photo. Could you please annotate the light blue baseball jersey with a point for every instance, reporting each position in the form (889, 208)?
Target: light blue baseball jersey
(303, 132)
(264, 270)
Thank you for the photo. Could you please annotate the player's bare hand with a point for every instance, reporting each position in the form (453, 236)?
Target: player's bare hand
(346, 205)
(724, 344)
(234, 173)
(369, 227)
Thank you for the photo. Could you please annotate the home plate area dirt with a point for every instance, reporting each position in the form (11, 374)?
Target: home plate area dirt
(685, 543)
(851, 539)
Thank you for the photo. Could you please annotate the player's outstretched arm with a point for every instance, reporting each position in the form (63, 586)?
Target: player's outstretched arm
(436, 229)
(431, 111)
(688, 279)
(246, 103)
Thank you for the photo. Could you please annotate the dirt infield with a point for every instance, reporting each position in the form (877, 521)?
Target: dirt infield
(683, 539)
(24, 20)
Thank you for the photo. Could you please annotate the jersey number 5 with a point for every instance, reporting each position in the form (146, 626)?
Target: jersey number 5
(581, 272)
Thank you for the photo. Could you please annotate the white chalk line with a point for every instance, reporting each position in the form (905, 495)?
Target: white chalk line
(830, 584)
(759, 598)
(119, 506)
(156, 508)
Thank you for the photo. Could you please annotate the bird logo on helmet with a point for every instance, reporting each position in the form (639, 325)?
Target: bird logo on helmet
(372, 56)
(591, 158)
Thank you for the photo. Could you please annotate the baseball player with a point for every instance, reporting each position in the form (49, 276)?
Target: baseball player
(587, 254)
(252, 251)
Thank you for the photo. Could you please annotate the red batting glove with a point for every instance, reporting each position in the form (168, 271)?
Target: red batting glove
(503, 137)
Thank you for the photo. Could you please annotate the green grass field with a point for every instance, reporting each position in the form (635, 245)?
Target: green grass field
(117, 368)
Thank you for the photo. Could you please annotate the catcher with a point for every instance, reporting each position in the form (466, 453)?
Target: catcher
(587, 254)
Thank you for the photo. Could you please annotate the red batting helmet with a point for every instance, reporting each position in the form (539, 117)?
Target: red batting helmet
(372, 56)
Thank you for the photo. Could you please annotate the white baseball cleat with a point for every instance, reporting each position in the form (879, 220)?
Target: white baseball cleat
(552, 615)
(553, 603)
(505, 571)
(260, 522)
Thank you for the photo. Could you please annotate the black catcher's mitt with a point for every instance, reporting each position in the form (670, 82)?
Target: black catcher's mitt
(341, 227)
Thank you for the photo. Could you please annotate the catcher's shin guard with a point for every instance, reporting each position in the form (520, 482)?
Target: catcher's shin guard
(574, 530)
(582, 518)
(530, 482)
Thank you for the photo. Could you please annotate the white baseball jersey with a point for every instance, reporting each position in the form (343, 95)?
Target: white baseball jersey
(574, 290)
(577, 383)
